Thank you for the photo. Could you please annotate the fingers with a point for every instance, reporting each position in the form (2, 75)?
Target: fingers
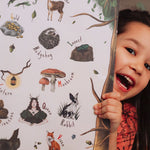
(111, 112)
(97, 108)
(108, 108)
(114, 95)
(111, 116)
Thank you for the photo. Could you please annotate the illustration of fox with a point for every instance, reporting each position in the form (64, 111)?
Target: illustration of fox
(53, 145)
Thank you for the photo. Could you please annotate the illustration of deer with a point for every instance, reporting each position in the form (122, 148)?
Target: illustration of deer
(55, 5)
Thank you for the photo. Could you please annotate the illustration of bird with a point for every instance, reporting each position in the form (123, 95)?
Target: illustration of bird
(10, 2)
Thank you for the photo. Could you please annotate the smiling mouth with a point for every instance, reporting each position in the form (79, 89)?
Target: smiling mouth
(125, 81)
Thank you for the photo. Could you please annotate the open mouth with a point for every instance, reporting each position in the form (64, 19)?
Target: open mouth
(125, 81)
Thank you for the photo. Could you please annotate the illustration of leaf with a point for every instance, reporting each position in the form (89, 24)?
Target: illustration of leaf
(33, 14)
(140, 6)
(114, 3)
(94, 6)
(100, 14)
(92, 9)
(96, 72)
(108, 7)
(101, 2)
(35, 2)
(23, 3)
(11, 48)
(73, 22)
(10, 2)
(89, 1)
(107, 11)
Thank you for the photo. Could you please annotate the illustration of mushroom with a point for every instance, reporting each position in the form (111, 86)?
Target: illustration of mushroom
(53, 74)
(44, 81)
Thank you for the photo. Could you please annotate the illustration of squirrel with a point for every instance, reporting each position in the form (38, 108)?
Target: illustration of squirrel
(10, 144)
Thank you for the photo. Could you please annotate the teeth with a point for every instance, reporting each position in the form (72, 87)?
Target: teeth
(129, 80)
(124, 86)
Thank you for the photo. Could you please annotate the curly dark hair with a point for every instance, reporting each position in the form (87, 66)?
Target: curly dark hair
(142, 100)
(126, 16)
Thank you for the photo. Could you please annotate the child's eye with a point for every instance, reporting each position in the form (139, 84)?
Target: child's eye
(147, 66)
(130, 50)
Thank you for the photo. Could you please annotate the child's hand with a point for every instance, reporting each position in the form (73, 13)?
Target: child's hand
(110, 108)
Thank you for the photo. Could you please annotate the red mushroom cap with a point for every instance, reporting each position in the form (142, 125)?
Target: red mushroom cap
(56, 72)
(44, 81)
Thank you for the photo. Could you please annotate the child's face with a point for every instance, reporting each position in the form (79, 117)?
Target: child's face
(132, 70)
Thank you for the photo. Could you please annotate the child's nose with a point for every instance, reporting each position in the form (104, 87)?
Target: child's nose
(137, 67)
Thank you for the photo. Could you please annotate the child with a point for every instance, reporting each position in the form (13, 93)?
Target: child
(127, 106)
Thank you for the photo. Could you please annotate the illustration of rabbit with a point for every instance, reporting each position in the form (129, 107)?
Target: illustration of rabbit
(71, 110)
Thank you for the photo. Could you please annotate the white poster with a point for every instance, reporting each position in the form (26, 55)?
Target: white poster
(50, 52)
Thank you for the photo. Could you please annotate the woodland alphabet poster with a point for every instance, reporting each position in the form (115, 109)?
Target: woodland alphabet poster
(54, 59)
